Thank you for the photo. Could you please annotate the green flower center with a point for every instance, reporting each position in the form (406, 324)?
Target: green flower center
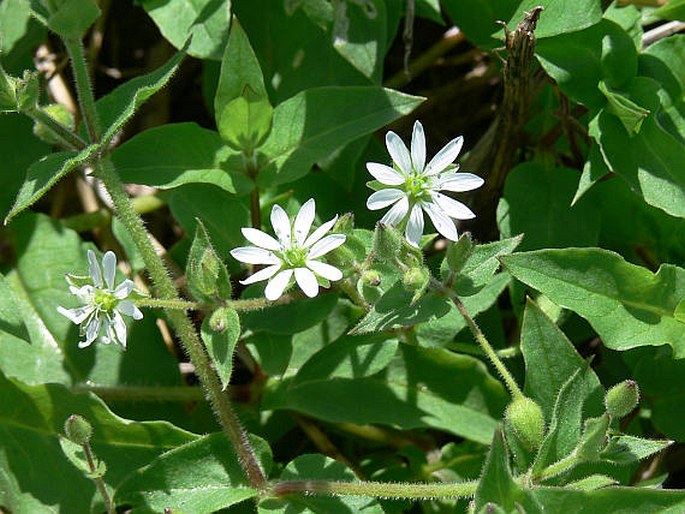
(295, 257)
(105, 300)
(417, 187)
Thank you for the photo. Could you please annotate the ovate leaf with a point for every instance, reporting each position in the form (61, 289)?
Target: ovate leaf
(627, 305)
(68, 18)
(201, 477)
(220, 333)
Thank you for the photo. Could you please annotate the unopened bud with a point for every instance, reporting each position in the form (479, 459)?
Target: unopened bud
(621, 399)
(77, 429)
(387, 242)
(594, 438)
(415, 278)
(524, 417)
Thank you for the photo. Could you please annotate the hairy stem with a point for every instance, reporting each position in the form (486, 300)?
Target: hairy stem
(173, 304)
(183, 326)
(378, 489)
(99, 482)
(69, 139)
(84, 87)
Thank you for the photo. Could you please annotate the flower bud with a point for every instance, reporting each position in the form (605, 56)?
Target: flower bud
(77, 429)
(621, 399)
(524, 417)
(387, 242)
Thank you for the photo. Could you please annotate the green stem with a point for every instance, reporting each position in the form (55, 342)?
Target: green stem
(558, 467)
(183, 326)
(173, 304)
(378, 489)
(99, 482)
(144, 393)
(481, 339)
(84, 87)
(69, 139)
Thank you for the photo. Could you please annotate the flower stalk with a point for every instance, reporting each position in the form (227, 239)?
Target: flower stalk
(378, 489)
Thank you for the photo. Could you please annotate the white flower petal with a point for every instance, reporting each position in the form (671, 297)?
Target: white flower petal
(453, 208)
(94, 269)
(253, 255)
(124, 289)
(325, 270)
(84, 344)
(281, 224)
(261, 239)
(92, 329)
(307, 282)
(385, 174)
(264, 274)
(77, 315)
(83, 293)
(418, 147)
(445, 157)
(442, 222)
(414, 229)
(109, 266)
(304, 220)
(396, 213)
(119, 328)
(320, 232)
(381, 199)
(129, 308)
(399, 153)
(274, 289)
(328, 243)
(459, 182)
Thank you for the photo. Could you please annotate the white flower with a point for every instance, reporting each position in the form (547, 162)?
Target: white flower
(103, 303)
(416, 186)
(293, 254)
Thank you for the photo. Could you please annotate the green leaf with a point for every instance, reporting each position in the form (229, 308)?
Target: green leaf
(206, 20)
(245, 121)
(220, 333)
(208, 278)
(550, 360)
(11, 494)
(559, 16)
(626, 449)
(664, 61)
(550, 221)
(673, 10)
(222, 214)
(184, 154)
(497, 485)
(45, 173)
(449, 392)
(478, 18)
(594, 169)
(319, 468)
(68, 18)
(315, 122)
(240, 69)
(564, 431)
(631, 114)
(14, 20)
(579, 60)
(13, 165)
(292, 317)
(119, 106)
(593, 482)
(617, 500)
(32, 418)
(394, 309)
(594, 283)
(200, 477)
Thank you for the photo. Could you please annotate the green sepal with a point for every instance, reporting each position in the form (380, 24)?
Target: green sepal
(220, 333)
(621, 399)
(208, 278)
